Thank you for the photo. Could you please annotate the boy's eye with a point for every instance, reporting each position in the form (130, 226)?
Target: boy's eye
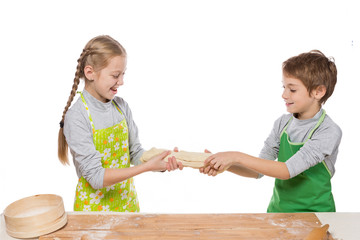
(292, 90)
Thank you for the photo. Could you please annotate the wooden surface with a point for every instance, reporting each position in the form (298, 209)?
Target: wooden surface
(187, 226)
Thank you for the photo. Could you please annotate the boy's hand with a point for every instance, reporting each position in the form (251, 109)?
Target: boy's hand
(207, 169)
(220, 161)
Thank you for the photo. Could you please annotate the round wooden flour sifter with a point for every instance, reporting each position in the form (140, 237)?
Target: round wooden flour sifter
(35, 216)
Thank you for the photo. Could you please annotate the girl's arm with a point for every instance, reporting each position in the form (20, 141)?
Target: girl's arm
(157, 163)
(224, 160)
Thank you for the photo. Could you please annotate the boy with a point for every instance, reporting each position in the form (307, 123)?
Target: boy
(305, 142)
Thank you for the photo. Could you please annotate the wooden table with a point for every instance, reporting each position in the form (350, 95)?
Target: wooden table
(187, 226)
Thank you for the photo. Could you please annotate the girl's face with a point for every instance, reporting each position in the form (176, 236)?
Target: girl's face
(104, 83)
(298, 100)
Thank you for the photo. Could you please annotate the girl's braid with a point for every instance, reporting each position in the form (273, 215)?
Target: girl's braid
(78, 74)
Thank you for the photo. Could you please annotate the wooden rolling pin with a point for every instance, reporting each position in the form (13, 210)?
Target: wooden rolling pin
(188, 159)
(318, 233)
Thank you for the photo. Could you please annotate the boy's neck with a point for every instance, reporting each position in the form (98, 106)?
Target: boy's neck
(308, 114)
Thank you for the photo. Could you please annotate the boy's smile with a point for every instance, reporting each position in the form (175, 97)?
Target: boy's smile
(298, 100)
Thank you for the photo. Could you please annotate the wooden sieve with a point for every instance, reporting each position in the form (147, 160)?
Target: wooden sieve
(35, 216)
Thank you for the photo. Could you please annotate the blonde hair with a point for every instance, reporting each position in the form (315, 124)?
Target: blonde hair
(97, 54)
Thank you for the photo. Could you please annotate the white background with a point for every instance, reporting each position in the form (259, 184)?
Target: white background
(201, 74)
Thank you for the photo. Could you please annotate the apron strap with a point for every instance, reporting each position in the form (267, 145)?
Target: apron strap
(321, 119)
(117, 107)
(317, 125)
(87, 109)
(286, 126)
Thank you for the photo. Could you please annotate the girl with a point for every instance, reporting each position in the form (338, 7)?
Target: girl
(102, 135)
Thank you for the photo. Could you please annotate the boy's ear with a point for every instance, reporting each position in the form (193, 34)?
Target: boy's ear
(319, 92)
(89, 72)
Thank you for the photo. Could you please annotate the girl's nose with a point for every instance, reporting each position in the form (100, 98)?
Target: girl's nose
(120, 81)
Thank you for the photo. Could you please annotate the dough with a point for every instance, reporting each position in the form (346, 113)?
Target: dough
(188, 159)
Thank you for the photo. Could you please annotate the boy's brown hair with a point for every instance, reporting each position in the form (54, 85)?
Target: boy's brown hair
(313, 69)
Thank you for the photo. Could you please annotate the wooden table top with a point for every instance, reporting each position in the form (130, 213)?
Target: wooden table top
(187, 226)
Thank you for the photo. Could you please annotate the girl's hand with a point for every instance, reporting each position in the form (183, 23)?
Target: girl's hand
(173, 164)
(157, 163)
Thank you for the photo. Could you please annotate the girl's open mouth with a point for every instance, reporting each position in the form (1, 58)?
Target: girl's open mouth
(114, 90)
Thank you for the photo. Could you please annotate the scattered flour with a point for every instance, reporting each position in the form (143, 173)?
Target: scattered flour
(272, 222)
(113, 221)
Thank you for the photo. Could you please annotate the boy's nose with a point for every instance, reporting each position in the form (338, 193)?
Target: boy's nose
(284, 95)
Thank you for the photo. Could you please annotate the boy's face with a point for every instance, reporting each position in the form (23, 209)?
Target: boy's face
(298, 100)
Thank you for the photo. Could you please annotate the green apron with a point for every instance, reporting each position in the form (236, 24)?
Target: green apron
(112, 143)
(310, 191)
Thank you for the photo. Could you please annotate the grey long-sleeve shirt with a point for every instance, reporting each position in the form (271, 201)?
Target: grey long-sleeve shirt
(323, 145)
(78, 134)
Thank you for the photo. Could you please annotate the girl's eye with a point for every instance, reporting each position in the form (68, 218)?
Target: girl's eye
(117, 76)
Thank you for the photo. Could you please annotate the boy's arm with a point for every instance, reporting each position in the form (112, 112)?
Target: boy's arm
(236, 169)
(269, 151)
(224, 160)
(243, 171)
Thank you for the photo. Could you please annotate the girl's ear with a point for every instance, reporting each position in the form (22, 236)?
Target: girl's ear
(319, 92)
(89, 72)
